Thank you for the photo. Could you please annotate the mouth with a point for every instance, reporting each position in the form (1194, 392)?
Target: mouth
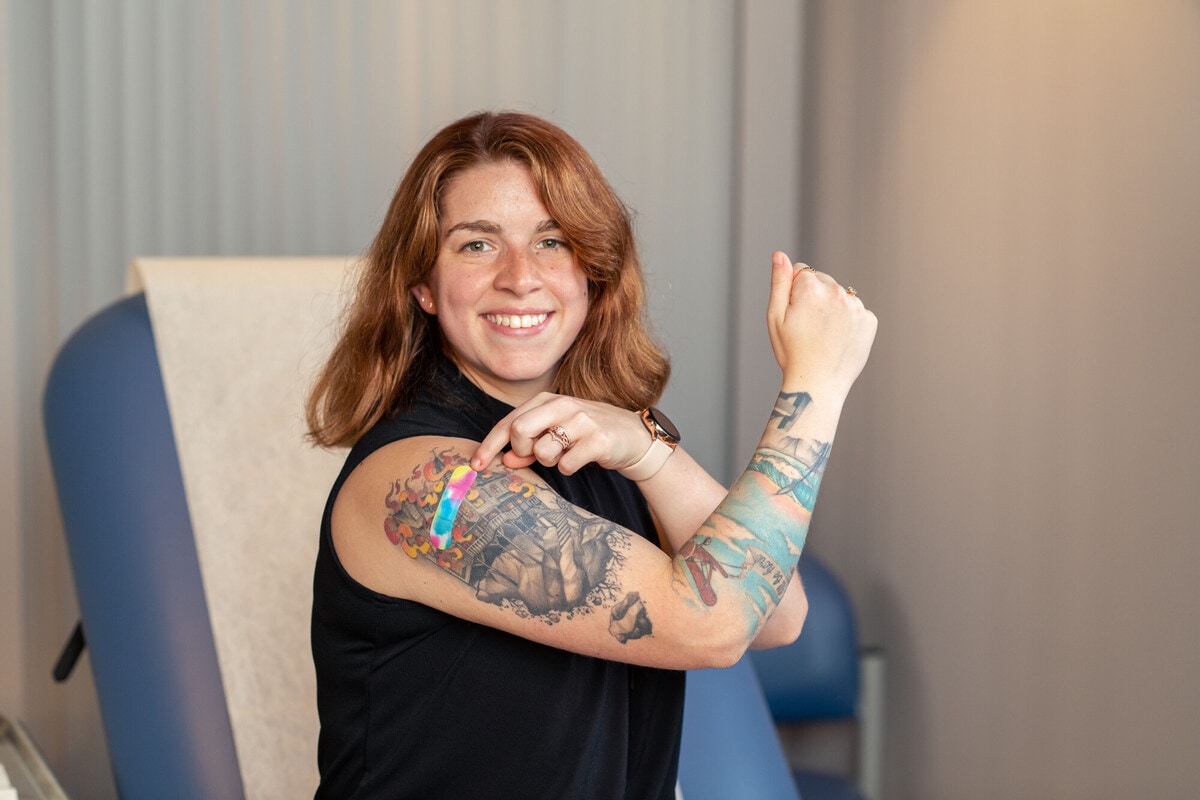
(517, 321)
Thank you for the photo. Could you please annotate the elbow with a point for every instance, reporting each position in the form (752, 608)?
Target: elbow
(726, 647)
(720, 645)
(729, 636)
(720, 658)
(791, 620)
(786, 623)
(780, 635)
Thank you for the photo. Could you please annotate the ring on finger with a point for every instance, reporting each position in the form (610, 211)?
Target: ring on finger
(559, 434)
(807, 268)
(850, 290)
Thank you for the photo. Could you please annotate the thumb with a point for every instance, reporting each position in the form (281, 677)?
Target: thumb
(782, 274)
(514, 461)
(781, 283)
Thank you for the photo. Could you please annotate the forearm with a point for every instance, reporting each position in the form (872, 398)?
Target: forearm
(744, 553)
(682, 496)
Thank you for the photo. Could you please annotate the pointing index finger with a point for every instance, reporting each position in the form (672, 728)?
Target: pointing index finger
(492, 444)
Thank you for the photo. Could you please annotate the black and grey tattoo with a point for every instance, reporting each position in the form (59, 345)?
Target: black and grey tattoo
(519, 546)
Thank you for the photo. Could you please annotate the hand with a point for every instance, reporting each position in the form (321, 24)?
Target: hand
(590, 432)
(820, 332)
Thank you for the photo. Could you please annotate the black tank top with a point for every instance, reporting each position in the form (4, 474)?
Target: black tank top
(415, 703)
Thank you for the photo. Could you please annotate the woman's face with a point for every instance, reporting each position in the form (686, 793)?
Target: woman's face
(507, 291)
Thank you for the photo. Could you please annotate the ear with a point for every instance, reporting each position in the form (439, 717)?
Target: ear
(424, 298)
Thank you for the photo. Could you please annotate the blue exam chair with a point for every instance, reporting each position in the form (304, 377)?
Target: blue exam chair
(137, 575)
(825, 676)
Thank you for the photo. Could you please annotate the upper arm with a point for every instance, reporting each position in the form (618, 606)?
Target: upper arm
(521, 558)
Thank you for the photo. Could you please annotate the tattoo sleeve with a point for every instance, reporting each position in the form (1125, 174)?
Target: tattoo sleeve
(757, 533)
(518, 546)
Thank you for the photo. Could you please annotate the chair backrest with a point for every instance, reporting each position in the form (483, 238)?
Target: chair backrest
(730, 748)
(137, 575)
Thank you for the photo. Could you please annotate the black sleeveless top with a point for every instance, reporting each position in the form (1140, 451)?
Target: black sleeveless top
(415, 703)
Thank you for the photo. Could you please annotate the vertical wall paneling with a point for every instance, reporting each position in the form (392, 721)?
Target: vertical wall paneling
(767, 209)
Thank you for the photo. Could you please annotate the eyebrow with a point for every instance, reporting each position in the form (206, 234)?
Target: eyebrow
(485, 226)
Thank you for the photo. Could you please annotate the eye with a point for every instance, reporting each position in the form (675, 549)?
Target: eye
(553, 244)
(476, 246)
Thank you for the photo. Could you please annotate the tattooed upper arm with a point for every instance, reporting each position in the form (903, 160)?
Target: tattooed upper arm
(516, 545)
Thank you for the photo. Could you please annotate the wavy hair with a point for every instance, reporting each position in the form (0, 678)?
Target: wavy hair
(388, 347)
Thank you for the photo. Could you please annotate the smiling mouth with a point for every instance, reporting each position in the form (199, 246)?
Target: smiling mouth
(516, 321)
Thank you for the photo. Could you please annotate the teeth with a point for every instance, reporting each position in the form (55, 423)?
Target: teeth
(517, 320)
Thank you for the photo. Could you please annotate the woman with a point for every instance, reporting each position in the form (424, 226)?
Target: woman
(518, 559)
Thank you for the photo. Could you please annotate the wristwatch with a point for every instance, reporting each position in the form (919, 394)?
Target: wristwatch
(664, 437)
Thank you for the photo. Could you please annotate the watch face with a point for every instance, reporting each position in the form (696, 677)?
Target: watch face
(664, 424)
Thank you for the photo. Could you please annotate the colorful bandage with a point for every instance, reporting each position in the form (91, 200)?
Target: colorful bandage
(457, 486)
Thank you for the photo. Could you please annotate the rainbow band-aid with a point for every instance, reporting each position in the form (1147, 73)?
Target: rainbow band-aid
(457, 486)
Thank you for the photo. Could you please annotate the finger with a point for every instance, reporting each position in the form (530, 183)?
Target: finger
(545, 449)
(805, 276)
(493, 443)
(517, 430)
(782, 274)
(514, 461)
(548, 451)
(522, 429)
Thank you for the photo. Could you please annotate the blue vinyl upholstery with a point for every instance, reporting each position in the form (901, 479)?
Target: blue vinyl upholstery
(134, 560)
(730, 748)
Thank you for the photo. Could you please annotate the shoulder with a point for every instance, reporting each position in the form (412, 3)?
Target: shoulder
(393, 479)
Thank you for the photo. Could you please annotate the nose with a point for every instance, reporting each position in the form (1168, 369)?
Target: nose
(517, 272)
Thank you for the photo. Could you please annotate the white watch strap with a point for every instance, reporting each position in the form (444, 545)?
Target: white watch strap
(649, 464)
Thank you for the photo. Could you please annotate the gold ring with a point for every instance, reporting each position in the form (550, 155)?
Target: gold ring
(559, 434)
(851, 291)
(807, 268)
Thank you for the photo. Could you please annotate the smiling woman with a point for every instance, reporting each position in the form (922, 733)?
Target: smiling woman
(518, 557)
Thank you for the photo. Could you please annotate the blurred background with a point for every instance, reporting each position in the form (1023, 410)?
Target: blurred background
(1012, 186)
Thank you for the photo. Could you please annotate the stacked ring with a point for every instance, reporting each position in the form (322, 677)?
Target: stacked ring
(559, 434)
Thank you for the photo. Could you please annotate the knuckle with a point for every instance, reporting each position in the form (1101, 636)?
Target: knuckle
(523, 427)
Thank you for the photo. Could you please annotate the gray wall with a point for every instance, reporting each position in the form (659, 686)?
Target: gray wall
(1014, 188)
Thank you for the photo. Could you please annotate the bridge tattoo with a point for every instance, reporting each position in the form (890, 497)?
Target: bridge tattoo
(743, 540)
(519, 546)
(797, 466)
